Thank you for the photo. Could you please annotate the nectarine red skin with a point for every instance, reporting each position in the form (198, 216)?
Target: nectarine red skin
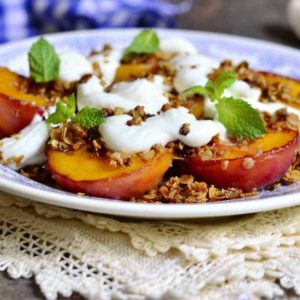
(15, 115)
(124, 184)
(17, 107)
(268, 168)
(125, 187)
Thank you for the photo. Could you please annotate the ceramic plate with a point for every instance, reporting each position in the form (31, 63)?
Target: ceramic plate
(262, 56)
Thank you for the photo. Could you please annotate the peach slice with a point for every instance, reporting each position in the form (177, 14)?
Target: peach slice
(79, 171)
(292, 84)
(127, 72)
(263, 162)
(16, 107)
(194, 104)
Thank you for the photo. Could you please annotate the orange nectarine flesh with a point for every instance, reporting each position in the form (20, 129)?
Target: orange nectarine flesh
(127, 72)
(292, 84)
(9, 86)
(266, 143)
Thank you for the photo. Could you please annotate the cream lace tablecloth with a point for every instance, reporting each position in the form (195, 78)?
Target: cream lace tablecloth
(102, 257)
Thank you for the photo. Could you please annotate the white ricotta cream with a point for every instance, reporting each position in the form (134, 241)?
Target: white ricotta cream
(192, 70)
(73, 66)
(178, 46)
(128, 95)
(108, 63)
(160, 129)
(28, 144)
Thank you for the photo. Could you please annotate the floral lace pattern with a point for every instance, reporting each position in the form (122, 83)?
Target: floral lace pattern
(246, 257)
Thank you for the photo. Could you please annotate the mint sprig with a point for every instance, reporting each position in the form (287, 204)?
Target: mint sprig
(43, 61)
(240, 119)
(88, 117)
(145, 42)
(238, 116)
(214, 89)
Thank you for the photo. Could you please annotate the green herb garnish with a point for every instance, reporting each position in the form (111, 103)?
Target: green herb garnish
(43, 61)
(238, 116)
(145, 42)
(88, 117)
(240, 119)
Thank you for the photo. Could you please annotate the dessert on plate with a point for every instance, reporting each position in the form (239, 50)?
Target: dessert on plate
(156, 121)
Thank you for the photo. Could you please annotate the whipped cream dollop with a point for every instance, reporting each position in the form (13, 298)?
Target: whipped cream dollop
(178, 46)
(108, 63)
(159, 129)
(192, 70)
(27, 147)
(128, 95)
(73, 66)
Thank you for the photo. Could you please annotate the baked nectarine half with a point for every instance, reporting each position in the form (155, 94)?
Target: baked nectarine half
(291, 85)
(17, 108)
(80, 171)
(260, 163)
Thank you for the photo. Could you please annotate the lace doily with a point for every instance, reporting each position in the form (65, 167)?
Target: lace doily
(246, 257)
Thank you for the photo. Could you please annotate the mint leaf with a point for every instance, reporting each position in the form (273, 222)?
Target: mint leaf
(206, 90)
(64, 111)
(214, 89)
(223, 81)
(197, 89)
(240, 119)
(43, 61)
(210, 87)
(89, 117)
(145, 42)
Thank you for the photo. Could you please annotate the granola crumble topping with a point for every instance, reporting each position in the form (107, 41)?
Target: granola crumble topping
(186, 189)
(248, 163)
(185, 129)
(138, 115)
(173, 189)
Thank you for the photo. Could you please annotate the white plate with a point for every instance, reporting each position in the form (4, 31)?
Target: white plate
(261, 55)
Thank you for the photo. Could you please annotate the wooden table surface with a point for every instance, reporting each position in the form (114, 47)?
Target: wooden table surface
(264, 19)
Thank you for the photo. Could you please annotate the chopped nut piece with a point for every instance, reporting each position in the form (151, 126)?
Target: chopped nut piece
(138, 116)
(248, 163)
(119, 111)
(117, 159)
(147, 155)
(185, 129)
